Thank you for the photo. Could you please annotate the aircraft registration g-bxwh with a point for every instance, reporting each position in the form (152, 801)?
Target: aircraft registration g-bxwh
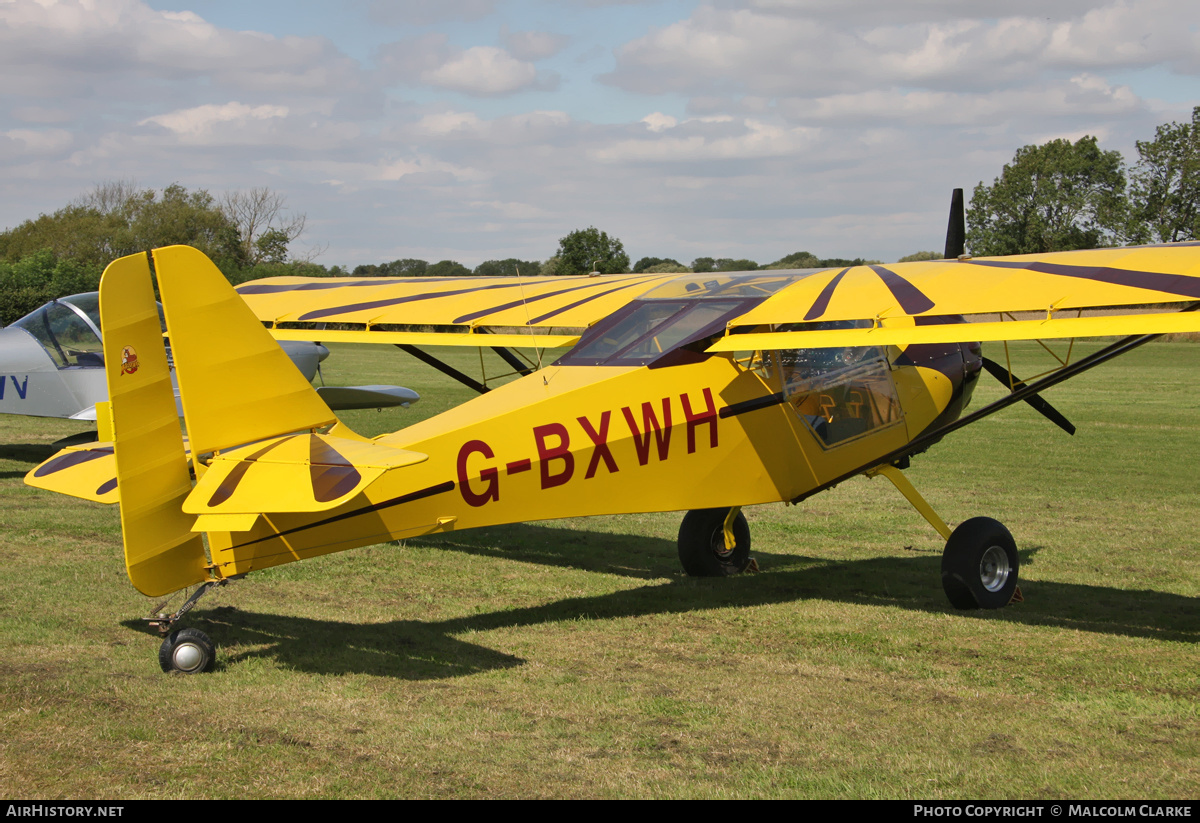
(684, 392)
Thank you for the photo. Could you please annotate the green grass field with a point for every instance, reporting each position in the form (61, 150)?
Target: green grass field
(574, 659)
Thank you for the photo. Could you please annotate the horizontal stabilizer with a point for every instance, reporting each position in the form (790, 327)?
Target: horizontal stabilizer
(294, 473)
(341, 398)
(87, 471)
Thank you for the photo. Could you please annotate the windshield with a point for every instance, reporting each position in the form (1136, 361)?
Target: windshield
(646, 329)
(68, 330)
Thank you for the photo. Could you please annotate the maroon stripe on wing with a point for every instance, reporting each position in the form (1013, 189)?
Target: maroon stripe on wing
(1179, 284)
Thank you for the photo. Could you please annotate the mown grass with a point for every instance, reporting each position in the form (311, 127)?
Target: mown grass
(573, 659)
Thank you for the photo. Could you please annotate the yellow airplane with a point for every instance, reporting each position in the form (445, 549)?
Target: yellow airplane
(701, 393)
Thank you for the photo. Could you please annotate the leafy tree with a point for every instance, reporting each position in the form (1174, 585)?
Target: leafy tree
(646, 262)
(40, 278)
(920, 255)
(796, 260)
(508, 268)
(587, 250)
(729, 264)
(1053, 197)
(408, 267)
(272, 246)
(1165, 184)
(707, 264)
(447, 268)
(666, 267)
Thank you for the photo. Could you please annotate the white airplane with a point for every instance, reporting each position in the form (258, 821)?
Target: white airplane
(52, 365)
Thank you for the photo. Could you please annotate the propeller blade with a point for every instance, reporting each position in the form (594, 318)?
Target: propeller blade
(956, 228)
(1035, 401)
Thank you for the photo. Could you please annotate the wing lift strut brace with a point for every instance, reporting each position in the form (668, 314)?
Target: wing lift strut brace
(468, 381)
(890, 464)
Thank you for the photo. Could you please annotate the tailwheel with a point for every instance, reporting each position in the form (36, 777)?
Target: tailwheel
(979, 565)
(702, 546)
(188, 651)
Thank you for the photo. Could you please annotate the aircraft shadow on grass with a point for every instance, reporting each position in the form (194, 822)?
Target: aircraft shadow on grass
(28, 453)
(418, 650)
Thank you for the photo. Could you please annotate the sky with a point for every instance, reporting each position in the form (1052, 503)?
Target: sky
(486, 129)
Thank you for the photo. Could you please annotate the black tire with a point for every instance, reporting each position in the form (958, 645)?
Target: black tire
(702, 544)
(979, 565)
(188, 651)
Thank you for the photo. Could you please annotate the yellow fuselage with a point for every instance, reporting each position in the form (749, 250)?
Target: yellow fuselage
(572, 441)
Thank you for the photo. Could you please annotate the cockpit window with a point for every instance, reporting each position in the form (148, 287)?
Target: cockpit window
(646, 329)
(88, 303)
(839, 393)
(67, 330)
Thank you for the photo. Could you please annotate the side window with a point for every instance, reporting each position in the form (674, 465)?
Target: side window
(839, 393)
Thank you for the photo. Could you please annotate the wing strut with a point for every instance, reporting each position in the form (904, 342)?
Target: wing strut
(1037, 402)
(1122, 346)
(509, 357)
(444, 368)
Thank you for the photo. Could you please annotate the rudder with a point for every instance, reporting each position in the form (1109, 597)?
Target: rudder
(236, 384)
(162, 554)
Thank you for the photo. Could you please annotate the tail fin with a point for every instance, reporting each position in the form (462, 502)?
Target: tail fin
(236, 383)
(162, 554)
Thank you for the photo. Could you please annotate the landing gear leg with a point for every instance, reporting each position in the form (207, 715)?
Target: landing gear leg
(979, 563)
(188, 651)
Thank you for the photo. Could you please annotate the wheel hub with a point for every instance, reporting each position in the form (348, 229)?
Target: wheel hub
(994, 569)
(187, 657)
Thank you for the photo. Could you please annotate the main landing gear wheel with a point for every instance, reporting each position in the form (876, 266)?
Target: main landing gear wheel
(702, 548)
(188, 651)
(979, 565)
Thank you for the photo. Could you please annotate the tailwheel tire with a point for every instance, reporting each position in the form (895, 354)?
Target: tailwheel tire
(979, 565)
(702, 544)
(188, 651)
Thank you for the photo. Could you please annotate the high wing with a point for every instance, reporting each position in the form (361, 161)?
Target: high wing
(1077, 294)
(461, 310)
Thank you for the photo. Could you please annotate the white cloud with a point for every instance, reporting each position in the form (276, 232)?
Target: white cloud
(803, 52)
(483, 71)
(424, 12)
(25, 143)
(533, 45)
(203, 120)
(657, 121)
(479, 71)
(510, 210)
(450, 123)
(751, 139)
(62, 46)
